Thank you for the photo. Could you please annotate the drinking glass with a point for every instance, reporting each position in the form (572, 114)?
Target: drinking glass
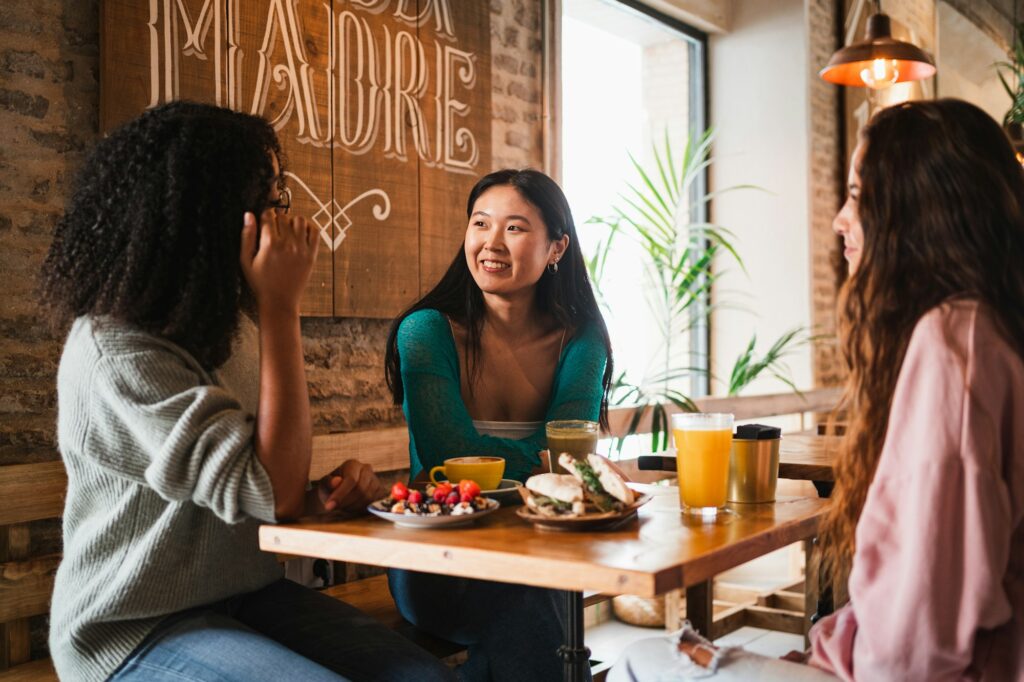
(578, 437)
(702, 442)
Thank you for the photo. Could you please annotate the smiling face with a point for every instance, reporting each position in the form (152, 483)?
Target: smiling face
(847, 222)
(507, 245)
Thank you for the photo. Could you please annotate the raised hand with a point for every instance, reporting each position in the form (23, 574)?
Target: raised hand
(278, 267)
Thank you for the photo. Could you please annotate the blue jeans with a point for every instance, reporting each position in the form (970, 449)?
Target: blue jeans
(513, 632)
(282, 632)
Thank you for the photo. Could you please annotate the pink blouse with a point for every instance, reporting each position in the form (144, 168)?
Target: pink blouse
(937, 586)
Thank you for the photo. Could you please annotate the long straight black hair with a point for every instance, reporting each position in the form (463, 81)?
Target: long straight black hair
(566, 294)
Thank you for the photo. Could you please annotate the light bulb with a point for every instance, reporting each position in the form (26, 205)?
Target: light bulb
(881, 74)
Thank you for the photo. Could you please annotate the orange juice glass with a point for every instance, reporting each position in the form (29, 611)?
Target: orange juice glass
(702, 442)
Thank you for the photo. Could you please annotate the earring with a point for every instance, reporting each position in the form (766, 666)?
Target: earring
(553, 267)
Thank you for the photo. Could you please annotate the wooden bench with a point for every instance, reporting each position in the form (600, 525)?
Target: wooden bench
(30, 492)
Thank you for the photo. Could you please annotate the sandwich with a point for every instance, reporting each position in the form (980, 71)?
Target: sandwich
(554, 495)
(593, 485)
(602, 485)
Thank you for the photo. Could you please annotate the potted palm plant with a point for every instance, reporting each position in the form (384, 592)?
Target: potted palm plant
(657, 211)
(1011, 75)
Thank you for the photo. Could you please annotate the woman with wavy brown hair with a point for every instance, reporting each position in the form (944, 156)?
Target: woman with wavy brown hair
(926, 518)
(926, 527)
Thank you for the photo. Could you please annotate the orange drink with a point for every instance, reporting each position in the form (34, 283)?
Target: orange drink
(702, 443)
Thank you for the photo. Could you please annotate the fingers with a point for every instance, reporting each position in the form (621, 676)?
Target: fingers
(248, 247)
(358, 487)
(269, 231)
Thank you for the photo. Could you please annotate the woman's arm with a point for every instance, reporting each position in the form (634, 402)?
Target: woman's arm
(278, 272)
(577, 390)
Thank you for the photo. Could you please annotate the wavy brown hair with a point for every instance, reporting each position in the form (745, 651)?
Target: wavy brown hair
(941, 209)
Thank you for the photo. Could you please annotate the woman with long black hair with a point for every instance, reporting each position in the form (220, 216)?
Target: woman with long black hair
(510, 338)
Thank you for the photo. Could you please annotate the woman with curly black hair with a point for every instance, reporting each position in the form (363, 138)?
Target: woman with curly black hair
(175, 240)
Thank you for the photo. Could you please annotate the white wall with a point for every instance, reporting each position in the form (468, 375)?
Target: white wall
(759, 106)
(964, 59)
(712, 16)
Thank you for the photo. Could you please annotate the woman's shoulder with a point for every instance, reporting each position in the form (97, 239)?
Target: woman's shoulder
(426, 322)
(586, 337)
(963, 328)
(423, 334)
(122, 347)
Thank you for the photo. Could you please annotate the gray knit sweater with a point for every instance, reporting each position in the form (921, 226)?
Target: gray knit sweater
(165, 493)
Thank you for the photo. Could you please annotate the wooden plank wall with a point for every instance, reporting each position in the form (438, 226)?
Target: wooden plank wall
(383, 111)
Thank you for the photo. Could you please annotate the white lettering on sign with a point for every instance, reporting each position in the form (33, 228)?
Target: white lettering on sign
(376, 81)
(332, 214)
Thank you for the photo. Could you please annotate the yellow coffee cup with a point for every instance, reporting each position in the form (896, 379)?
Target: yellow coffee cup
(486, 471)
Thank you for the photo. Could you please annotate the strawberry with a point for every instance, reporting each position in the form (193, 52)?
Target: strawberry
(415, 497)
(399, 491)
(468, 487)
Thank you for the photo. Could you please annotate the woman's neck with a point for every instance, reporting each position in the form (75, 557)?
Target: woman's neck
(513, 317)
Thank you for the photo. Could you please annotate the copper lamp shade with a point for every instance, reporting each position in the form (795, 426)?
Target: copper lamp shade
(879, 61)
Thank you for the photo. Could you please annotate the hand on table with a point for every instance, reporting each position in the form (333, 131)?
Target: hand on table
(349, 488)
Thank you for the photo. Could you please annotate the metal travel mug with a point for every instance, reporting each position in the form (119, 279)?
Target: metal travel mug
(754, 463)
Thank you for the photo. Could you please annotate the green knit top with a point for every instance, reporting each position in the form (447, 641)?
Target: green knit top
(439, 423)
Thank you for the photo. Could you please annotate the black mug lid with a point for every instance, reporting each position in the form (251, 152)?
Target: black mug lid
(757, 432)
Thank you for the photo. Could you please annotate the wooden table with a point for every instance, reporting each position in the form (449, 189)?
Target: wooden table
(660, 551)
(808, 456)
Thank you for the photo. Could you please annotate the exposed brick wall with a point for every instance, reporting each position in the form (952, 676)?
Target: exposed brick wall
(825, 191)
(516, 83)
(827, 171)
(48, 112)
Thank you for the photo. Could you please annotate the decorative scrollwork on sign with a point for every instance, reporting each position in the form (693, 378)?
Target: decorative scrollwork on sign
(332, 213)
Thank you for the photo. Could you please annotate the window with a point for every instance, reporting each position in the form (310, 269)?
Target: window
(629, 77)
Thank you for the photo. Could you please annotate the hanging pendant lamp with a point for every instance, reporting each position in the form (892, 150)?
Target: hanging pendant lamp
(879, 60)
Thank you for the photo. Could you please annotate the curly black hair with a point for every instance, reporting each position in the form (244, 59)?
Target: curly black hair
(152, 234)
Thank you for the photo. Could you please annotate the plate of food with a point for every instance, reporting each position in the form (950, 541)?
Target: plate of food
(593, 496)
(507, 491)
(441, 505)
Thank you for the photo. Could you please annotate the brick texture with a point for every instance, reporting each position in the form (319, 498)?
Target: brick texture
(516, 93)
(825, 192)
(48, 111)
(828, 158)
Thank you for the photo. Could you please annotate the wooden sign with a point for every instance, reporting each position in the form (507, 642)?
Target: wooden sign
(382, 108)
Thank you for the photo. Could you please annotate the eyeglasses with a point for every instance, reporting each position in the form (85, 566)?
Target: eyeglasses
(283, 201)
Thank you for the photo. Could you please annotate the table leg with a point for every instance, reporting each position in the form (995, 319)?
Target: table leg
(824, 488)
(575, 656)
(698, 607)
